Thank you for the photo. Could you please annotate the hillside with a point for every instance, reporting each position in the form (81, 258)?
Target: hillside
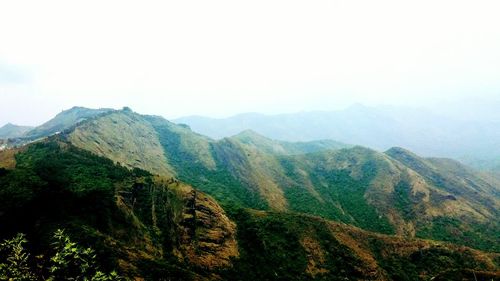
(141, 224)
(462, 135)
(287, 246)
(253, 139)
(150, 227)
(380, 192)
(13, 131)
(123, 138)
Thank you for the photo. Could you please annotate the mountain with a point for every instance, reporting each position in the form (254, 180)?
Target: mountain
(396, 192)
(137, 221)
(267, 145)
(287, 246)
(13, 131)
(151, 227)
(63, 121)
(430, 133)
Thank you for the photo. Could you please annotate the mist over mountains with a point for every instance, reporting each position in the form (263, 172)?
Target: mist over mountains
(470, 138)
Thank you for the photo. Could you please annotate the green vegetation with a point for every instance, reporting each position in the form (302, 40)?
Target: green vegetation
(342, 195)
(68, 261)
(197, 167)
(290, 246)
(271, 249)
(354, 185)
(376, 191)
(428, 264)
(56, 185)
(482, 236)
(270, 146)
(402, 200)
(142, 225)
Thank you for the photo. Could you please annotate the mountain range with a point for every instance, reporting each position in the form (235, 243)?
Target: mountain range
(454, 133)
(162, 200)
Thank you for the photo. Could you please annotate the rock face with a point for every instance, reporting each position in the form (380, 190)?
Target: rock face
(195, 228)
(209, 238)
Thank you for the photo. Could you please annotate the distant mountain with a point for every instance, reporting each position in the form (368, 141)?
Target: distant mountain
(156, 228)
(63, 121)
(13, 131)
(395, 192)
(473, 141)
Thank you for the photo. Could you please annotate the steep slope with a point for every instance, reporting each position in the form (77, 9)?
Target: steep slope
(364, 186)
(359, 186)
(160, 229)
(142, 224)
(13, 131)
(287, 246)
(124, 138)
(470, 220)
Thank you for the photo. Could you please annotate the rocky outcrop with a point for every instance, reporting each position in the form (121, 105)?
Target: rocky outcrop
(209, 236)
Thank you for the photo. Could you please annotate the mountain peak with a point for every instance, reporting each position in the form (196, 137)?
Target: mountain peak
(399, 152)
(250, 133)
(65, 120)
(8, 125)
(10, 130)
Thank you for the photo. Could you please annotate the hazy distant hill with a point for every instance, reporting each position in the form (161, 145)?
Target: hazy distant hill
(13, 131)
(394, 192)
(473, 140)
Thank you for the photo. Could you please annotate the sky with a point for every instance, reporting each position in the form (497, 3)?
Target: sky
(218, 58)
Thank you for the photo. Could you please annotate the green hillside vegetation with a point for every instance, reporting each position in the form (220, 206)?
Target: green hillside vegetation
(157, 228)
(288, 246)
(468, 138)
(380, 192)
(138, 223)
(109, 135)
(68, 261)
(267, 145)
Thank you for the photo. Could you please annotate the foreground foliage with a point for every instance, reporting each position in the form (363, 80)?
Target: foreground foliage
(67, 261)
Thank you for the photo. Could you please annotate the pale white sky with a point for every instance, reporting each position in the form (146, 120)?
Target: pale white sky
(218, 58)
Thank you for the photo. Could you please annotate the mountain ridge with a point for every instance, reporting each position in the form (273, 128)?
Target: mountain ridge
(298, 214)
(423, 131)
(356, 185)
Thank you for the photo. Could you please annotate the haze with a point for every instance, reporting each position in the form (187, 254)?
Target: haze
(219, 58)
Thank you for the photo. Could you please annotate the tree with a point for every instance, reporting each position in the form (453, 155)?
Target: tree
(68, 262)
(14, 260)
